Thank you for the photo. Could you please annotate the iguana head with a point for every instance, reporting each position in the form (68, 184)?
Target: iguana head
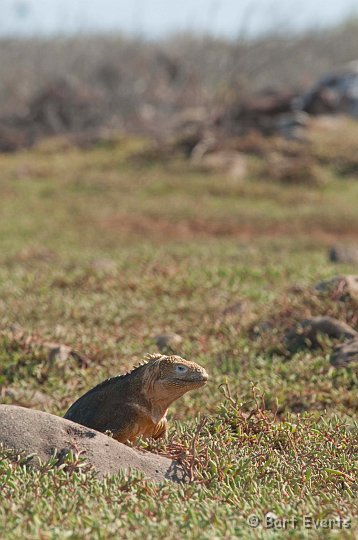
(169, 377)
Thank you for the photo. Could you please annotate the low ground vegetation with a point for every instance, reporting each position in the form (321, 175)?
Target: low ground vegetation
(102, 251)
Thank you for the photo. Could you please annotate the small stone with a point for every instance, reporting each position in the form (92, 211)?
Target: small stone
(104, 266)
(168, 342)
(341, 253)
(234, 163)
(306, 334)
(26, 397)
(62, 357)
(341, 287)
(241, 308)
(59, 354)
(345, 354)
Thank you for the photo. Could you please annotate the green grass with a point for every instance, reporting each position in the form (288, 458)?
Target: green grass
(102, 251)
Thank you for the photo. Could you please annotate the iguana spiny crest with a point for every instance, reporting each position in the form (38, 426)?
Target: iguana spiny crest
(135, 404)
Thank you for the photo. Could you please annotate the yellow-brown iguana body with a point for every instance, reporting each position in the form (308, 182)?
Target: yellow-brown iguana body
(136, 404)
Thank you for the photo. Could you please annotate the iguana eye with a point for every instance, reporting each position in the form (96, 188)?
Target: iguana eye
(181, 369)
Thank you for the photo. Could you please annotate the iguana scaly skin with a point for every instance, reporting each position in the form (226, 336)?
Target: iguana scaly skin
(136, 404)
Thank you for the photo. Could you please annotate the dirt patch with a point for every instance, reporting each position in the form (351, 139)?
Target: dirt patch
(163, 228)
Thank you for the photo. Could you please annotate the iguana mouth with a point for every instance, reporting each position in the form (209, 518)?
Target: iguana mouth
(189, 383)
(200, 383)
(200, 380)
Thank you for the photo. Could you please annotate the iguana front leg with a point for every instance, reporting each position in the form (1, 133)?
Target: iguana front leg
(140, 425)
(160, 429)
(128, 434)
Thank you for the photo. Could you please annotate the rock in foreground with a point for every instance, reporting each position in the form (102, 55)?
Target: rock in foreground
(41, 433)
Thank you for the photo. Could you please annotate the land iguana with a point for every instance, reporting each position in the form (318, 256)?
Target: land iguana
(136, 403)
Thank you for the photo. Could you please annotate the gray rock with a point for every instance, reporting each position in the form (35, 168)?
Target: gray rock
(344, 254)
(61, 357)
(341, 287)
(306, 334)
(240, 308)
(229, 161)
(26, 397)
(335, 92)
(105, 266)
(36, 432)
(345, 354)
(168, 342)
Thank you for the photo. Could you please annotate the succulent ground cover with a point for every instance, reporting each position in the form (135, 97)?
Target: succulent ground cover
(102, 252)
